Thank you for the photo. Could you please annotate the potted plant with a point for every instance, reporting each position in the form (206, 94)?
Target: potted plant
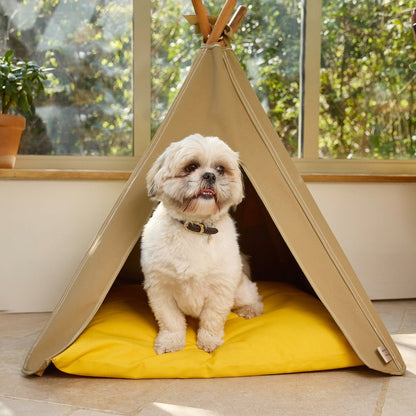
(20, 83)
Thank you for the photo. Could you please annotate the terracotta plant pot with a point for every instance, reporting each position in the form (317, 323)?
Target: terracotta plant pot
(11, 128)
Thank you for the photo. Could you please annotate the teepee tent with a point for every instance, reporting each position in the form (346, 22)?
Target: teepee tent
(217, 99)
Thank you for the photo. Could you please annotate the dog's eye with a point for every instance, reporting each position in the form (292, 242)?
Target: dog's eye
(220, 169)
(191, 167)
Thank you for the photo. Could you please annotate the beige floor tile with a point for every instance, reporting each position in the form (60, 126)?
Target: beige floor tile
(87, 412)
(409, 322)
(18, 332)
(335, 393)
(400, 397)
(14, 407)
(116, 395)
(22, 324)
(392, 313)
(12, 352)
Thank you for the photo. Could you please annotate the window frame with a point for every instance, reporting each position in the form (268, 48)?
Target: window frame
(141, 110)
(309, 121)
(309, 162)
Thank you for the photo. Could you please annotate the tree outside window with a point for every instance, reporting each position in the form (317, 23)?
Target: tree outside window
(367, 86)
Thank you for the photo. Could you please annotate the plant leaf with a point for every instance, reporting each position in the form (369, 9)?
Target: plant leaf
(8, 55)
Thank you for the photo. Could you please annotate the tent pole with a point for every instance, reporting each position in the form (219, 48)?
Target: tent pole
(222, 21)
(202, 16)
(237, 18)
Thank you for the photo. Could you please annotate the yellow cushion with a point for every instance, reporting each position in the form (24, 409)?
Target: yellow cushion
(295, 333)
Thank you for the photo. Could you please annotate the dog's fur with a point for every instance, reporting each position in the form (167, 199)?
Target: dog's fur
(204, 276)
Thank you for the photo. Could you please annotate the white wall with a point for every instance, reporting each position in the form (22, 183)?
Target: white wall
(46, 226)
(45, 229)
(375, 223)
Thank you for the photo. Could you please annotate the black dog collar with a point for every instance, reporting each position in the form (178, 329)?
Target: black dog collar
(198, 228)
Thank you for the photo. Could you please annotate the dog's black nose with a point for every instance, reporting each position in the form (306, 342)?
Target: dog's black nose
(209, 177)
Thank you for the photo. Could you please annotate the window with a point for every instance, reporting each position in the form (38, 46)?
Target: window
(333, 76)
(367, 103)
(87, 110)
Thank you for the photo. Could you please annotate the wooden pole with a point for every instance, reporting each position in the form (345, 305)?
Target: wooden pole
(202, 16)
(222, 21)
(238, 18)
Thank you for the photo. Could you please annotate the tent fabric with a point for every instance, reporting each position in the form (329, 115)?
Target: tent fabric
(295, 334)
(216, 99)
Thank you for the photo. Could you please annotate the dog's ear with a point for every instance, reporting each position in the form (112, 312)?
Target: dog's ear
(154, 178)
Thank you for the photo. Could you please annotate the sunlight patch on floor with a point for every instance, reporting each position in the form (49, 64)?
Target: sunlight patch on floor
(175, 410)
(5, 411)
(406, 343)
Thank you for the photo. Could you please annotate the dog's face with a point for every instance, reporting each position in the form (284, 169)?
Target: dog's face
(198, 177)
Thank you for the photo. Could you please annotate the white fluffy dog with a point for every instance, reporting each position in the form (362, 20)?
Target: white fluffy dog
(190, 255)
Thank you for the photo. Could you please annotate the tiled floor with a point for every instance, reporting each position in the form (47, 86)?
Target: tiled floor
(349, 392)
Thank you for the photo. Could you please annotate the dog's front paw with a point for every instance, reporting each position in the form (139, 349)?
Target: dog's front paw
(250, 311)
(208, 342)
(167, 341)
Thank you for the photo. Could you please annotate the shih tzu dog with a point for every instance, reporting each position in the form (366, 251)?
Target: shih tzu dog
(190, 255)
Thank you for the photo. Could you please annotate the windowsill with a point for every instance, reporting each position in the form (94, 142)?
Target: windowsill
(62, 174)
(108, 175)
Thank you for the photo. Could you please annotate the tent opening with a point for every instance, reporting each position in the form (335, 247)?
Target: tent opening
(270, 257)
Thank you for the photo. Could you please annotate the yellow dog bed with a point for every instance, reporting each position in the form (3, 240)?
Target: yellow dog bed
(295, 333)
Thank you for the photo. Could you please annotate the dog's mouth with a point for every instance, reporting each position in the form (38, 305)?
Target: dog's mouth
(207, 197)
(206, 193)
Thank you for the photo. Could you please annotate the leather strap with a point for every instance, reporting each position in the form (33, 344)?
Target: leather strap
(198, 228)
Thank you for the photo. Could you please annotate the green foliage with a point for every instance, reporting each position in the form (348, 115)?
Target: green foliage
(268, 46)
(20, 83)
(174, 45)
(367, 101)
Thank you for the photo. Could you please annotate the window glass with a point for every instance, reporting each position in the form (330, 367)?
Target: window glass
(367, 104)
(267, 45)
(87, 108)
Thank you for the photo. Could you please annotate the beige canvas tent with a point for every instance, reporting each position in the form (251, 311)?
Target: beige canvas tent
(217, 99)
